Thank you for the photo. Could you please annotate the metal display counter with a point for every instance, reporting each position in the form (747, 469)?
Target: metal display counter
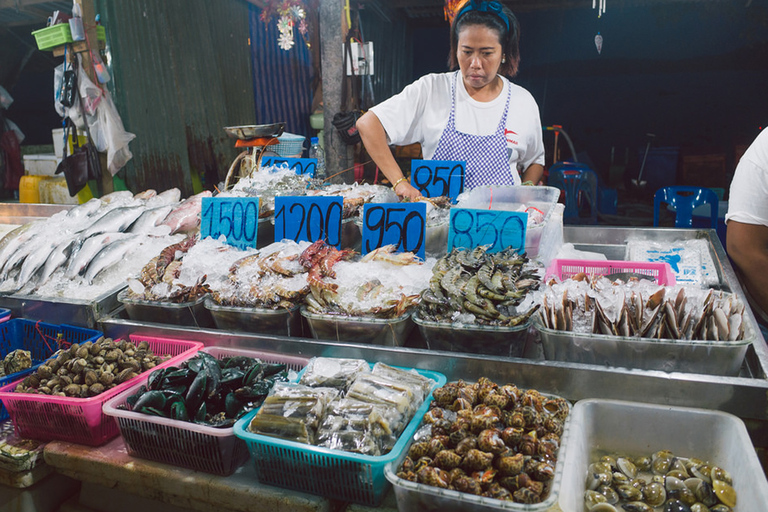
(746, 395)
(78, 312)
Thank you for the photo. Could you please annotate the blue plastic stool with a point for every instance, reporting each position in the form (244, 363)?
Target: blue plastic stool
(683, 200)
(579, 182)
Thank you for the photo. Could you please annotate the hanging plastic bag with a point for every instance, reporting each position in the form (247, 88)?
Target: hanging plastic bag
(117, 138)
(90, 93)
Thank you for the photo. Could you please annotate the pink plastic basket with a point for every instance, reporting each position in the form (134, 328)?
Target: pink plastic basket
(563, 269)
(181, 443)
(81, 420)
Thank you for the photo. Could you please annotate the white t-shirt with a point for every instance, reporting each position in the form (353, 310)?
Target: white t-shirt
(748, 198)
(420, 113)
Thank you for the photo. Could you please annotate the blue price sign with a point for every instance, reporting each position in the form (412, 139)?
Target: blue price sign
(500, 229)
(400, 224)
(299, 165)
(309, 218)
(237, 218)
(435, 178)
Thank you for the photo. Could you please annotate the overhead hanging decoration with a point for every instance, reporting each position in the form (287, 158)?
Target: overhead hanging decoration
(600, 5)
(599, 43)
(289, 14)
(451, 8)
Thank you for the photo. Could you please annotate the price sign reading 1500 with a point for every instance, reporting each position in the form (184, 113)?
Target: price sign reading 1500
(400, 224)
(309, 218)
(435, 178)
(237, 218)
(298, 165)
(499, 229)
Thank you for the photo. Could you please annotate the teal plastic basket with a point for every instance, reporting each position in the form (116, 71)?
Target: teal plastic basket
(334, 474)
(290, 145)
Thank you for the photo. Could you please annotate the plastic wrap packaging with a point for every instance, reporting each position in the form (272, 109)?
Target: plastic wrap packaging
(690, 259)
(421, 385)
(358, 427)
(377, 389)
(333, 372)
(292, 412)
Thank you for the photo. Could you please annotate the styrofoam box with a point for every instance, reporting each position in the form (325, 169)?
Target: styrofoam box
(635, 429)
(58, 142)
(41, 165)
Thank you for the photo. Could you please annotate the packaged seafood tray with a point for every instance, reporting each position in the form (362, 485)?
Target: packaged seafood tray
(661, 272)
(182, 443)
(390, 332)
(513, 198)
(689, 356)
(335, 474)
(187, 314)
(81, 420)
(476, 339)
(40, 339)
(418, 497)
(280, 322)
(616, 428)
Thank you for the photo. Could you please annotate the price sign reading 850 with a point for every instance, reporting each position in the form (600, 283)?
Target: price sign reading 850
(237, 218)
(435, 178)
(400, 224)
(499, 229)
(309, 219)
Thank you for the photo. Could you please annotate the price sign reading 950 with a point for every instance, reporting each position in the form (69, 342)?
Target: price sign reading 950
(237, 218)
(310, 219)
(499, 229)
(298, 165)
(400, 224)
(435, 178)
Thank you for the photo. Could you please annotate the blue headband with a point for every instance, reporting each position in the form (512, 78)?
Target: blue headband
(481, 6)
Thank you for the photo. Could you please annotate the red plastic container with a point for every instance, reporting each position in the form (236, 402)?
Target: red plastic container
(564, 269)
(81, 420)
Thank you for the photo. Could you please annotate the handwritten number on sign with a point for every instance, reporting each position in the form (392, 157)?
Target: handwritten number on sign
(234, 217)
(434, 178)
(309, 219)
(496, 228)
(402, 225)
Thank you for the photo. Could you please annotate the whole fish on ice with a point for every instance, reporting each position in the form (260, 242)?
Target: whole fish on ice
(108, 256)
(114, 221)
(57, 258)
(147, 221)
(186, 216)
(82, 255)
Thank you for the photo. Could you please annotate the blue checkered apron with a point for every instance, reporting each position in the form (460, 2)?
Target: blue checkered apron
(486, 155)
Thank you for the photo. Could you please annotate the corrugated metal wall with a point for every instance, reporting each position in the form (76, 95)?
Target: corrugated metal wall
(181, 71)
(282, 79)
(392, 53)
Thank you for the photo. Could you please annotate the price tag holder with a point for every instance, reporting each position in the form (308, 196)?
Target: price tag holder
(469, 228)
(298, 165)
(435, 178)
(400, 224)
(309, 218)
(237, 218)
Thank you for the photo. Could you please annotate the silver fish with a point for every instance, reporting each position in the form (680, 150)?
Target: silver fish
(108, 256)
(118, 196)
(86, 209)
(170, 196)
(114, 221)
(147, 194)
(16, 238)
(149, 219)
(83, 255)
(25, 249)
(34, 261)
(57, 258)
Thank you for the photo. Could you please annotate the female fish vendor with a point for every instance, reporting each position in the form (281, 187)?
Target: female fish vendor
(474, 114)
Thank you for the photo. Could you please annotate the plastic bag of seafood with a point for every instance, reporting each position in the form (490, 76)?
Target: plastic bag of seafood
(332, 372)
(193, 445)
(484, 447)
(641, 325)
(352, 424)
(79, 418)
(701, 455)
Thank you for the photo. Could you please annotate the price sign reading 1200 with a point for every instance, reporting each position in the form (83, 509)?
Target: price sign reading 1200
(237, 218)
(400, 224)
(435, 178)
(499, 229)
(298, 165)
(310, 219)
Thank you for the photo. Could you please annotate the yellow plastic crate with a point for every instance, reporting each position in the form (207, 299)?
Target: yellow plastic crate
(49, 38)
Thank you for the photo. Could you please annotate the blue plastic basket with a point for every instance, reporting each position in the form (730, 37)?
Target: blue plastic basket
(334, 474)
(290, 145)
(40, 339)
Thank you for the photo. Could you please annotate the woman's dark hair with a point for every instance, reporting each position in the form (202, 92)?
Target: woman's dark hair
(509, 39)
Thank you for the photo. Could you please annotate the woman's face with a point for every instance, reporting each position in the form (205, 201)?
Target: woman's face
(479, 55)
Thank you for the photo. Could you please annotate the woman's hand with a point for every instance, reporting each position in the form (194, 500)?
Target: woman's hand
(406, 190)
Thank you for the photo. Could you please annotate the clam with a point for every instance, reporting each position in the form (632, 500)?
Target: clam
(718, 473)
(703, 471)
(629, 493)
(699, 507)
(627, 467)
(643, 464)
(676, 506)
(637, 506)
(725, 492)
(611, 496)
(654, 494)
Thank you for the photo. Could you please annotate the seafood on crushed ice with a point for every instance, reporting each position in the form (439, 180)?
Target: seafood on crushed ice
(640, 308)
(474, 286)
(356, 195)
